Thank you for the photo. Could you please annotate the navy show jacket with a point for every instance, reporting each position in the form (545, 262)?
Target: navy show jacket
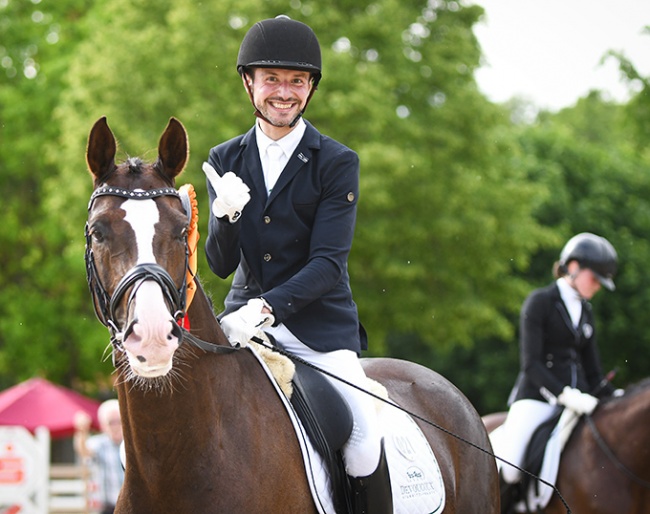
(292, 246)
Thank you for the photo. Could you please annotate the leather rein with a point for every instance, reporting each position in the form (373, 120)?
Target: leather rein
(106, 305)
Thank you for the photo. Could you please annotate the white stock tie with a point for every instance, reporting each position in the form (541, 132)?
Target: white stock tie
(274, 166)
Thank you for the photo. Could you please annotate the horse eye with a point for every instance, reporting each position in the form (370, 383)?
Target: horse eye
(97, 235)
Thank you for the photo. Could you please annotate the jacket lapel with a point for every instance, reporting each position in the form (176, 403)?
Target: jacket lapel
(253, 165)
(564, 313)
(301, 156)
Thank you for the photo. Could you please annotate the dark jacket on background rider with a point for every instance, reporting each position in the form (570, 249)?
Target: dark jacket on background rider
(553, 353)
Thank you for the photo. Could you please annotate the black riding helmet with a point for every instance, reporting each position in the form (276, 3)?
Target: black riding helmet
(281, 43)
(593, 252)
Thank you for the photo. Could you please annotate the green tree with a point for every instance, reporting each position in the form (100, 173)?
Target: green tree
(40, 330)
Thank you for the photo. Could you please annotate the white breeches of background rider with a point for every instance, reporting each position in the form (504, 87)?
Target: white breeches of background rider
(510, 440)
(361, 452)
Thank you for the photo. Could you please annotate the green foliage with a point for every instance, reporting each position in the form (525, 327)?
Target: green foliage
(45, 320)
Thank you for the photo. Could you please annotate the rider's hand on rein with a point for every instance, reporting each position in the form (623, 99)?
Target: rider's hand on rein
(577, 401)
(241, 325)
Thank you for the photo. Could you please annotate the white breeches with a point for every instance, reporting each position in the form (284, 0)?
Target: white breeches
(361, 452)
(509, 441)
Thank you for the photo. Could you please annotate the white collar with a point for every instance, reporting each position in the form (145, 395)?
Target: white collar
(571, 298)
(288, 143)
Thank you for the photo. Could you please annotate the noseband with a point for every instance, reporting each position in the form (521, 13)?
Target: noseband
(105, 304)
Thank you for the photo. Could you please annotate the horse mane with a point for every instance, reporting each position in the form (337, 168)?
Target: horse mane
(638, 387)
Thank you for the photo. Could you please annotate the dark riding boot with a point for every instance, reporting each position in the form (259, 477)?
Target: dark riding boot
(372, 494)
(511, 494)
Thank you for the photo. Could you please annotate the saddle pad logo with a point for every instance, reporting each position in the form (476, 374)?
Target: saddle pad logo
(415, 476)
(404, 446)
(416, 484)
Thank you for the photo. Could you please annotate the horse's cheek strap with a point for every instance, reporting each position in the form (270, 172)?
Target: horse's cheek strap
(97, 291)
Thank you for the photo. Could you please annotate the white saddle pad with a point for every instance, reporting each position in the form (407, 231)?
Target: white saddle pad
(415, 476)
(416, 480)
(540, 494)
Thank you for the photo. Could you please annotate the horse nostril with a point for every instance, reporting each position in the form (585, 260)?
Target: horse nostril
(141, 358)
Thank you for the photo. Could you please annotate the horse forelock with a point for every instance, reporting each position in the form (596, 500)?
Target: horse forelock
(135, 165)
(135, 173)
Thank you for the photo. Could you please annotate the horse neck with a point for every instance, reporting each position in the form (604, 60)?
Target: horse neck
(203, 322)
(630, 409)
(209, 392)
(626, 418)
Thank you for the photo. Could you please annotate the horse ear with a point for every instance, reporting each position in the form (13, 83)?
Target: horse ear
(100, 153)
(173, 149)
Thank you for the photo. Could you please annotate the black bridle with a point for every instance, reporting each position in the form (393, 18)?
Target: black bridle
(106, 305)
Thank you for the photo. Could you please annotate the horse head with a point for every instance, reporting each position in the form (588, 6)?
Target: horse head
(136, 248)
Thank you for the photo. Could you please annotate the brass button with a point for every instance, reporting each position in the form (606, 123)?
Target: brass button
(350, 196)
(267, 257)
(267, 219)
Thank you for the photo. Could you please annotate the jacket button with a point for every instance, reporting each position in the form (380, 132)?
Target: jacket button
(267, 257)
(267, 219)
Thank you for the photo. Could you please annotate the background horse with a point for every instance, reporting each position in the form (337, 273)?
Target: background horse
(204, 429)
(605, 466)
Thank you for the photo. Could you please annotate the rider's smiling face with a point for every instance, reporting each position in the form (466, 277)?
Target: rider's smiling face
(280, 95)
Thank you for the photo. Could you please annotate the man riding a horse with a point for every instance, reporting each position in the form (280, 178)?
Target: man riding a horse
(284, 200)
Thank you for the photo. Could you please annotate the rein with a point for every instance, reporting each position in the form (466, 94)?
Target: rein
(611, 456)
(424, 420)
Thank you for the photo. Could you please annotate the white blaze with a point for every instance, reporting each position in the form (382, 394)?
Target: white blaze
(142, 215)
(150, 347)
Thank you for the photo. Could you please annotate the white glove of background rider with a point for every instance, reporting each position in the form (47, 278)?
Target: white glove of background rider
(241, 325)
(577, 401)
(232, 193)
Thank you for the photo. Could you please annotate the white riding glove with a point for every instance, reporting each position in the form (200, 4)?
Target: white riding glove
(577, 401)
(240, 326)
(232, 193)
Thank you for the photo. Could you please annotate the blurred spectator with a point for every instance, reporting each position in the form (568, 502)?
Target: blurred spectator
(103, 452)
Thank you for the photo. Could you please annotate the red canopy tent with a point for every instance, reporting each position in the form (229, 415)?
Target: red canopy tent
(37, 402)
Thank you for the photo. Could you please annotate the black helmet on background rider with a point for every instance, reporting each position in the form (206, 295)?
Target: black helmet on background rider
(281, 43)
(593, 252)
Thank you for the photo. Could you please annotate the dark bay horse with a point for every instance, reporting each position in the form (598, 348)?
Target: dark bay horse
(605, 466)
(204, 430)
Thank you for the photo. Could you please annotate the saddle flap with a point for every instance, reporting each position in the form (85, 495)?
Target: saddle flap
(314, 393)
